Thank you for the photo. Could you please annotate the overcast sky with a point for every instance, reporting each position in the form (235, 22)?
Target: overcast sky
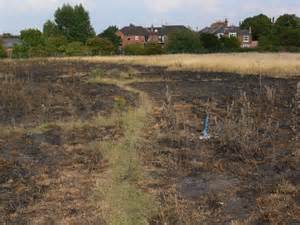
(19, 14)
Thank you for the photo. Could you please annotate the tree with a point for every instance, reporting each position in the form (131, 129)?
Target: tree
(110, 34)
(290, 37)
(260, 25)
(2, 51)
(50, 29)
(20, 51)
(32, 37)
(153, 49)
(100, 46)
(76, 49)
(288, 21)
(230, 44)
(185, 41)
(210, 42)
(134, 49)
(56, 45)
(74, 23)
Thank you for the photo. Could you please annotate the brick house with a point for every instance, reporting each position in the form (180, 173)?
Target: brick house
(8, 41)
(160, 34)
(140, 35)
(133, 35)
(222, 29)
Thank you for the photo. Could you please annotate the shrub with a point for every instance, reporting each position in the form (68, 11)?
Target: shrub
(134, 49)
(100, 46)
(2, 52)
(184, 42)
(32, 37)
(38, 51)
(230, 44)
(76, 49)
(56, 45)
(210, 42)
(20, 51)
(153, 49)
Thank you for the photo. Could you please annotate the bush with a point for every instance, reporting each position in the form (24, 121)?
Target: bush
(38, 51)
(56, 45)
(2, 52)
(32, 37)
(230, 44)
(184, 42)
(153, 49)
(210, 42)
(76, 49)
(20, 51)
(100, 46)
(134, 49)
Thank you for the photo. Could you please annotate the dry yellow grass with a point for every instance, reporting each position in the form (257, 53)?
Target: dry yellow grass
(285, 65)
(272, 64)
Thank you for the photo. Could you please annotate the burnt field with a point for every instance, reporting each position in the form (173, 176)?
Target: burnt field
(52, 121)
(248, 171)
(56, 116)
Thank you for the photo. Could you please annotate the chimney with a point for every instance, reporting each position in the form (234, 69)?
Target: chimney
(226, 22)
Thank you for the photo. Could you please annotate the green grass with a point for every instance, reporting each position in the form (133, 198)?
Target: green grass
(121, 198)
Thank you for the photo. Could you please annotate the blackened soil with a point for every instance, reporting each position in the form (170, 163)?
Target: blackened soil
(241, 181)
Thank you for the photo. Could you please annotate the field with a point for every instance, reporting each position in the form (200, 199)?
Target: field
(116, 140)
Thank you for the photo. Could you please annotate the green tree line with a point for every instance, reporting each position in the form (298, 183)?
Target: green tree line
(71, 34)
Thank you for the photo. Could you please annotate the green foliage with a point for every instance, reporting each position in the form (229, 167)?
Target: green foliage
(38, 51)
(134, 49)
(230, 44)
(288, 21)
(56, 45)
(20, 51)
(76, 49)
(100, 46)
(74, 23)
(269, 43)
(153, 49)
(290, 37)
(110, 34)
(184, 42)
(210, 42)
(50, 29)
(260, 25)
(2, 51)
(32, 37)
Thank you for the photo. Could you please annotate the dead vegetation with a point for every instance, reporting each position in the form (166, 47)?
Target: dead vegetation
(77, 147)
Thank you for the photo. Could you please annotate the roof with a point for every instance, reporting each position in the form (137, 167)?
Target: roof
(10, 41)
(215, 28)
(222, 28)
(167, 29)
(133, 30)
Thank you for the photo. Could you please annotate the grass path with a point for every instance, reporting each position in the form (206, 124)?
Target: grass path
(122, 201)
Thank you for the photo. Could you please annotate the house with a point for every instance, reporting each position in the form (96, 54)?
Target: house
(133, 35)
(8, 41)
(223, 29)
(160, 34)
(139, 35)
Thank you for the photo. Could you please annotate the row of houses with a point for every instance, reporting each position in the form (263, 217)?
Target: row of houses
(141, 35)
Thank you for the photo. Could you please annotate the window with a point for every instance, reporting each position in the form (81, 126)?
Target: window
(232, 35)
(220, 35)
(246, 38)
(128, 39)
(136, 38)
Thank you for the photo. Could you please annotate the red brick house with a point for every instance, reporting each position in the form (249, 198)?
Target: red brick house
(222, 29)
(140, 35)
(133, 35)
